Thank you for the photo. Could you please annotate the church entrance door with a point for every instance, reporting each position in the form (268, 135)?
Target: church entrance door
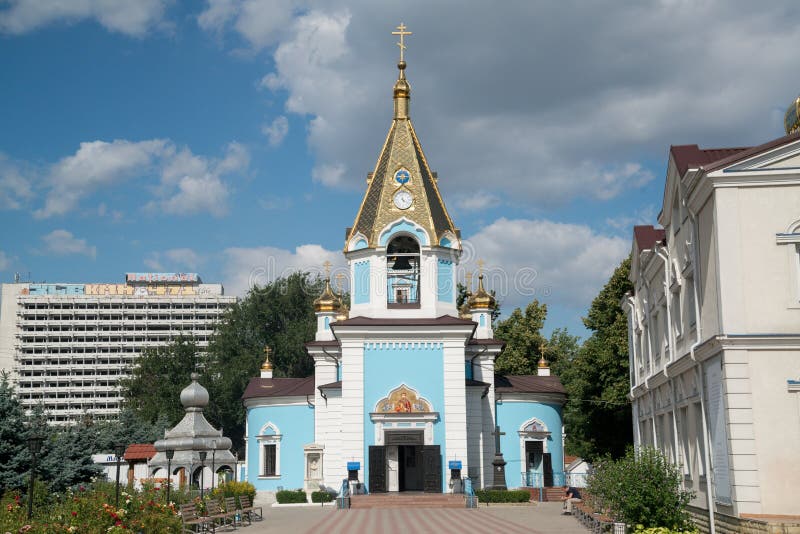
(409, 462)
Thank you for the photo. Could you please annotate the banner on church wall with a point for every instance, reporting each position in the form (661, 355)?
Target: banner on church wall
(718, 430)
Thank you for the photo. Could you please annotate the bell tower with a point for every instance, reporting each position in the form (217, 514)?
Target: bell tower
(403, 247)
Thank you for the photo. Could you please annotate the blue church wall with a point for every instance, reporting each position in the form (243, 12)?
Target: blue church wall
(406, 227)
(444, 282)
(511, 415)
(296, 427)
(361, 282)
(420, 366)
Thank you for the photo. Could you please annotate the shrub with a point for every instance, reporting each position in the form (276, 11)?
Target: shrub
(321, 496)
(640, 529)
(642, 488)
(234, 489)
(493, 495)
(291, 496)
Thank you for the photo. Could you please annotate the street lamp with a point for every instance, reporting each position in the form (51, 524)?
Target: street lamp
(203, 455)
(170, 455)
(119, 451)
(235, 465)
(35, 444)
(213, 456)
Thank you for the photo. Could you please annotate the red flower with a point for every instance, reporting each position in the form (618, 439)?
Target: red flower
(74, 514)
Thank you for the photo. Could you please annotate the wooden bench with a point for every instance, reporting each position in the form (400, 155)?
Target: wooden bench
(248, 510)
(218, 515)
(594, 521)
(191, 520)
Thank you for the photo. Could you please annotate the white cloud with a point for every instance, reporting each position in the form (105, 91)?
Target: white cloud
(476, 201)
(15, 186)
(276, 131)
(189, 183)
(5, 261)
(544, 127)
(63, 243)
(625, 221)
(260, 22)
(558, 262)
(246, 267)
(176, 259)
(97, 164)
(130, 18)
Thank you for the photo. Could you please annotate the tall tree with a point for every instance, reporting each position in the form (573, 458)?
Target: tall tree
(279, 315)
(598, 413)
(521, 332)
(15, 459)
(153, 388)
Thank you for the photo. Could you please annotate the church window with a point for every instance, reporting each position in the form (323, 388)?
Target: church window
(402, 272)
(269, 463)
(269, 451)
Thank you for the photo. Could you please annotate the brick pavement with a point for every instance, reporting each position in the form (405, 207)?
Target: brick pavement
(541, 518)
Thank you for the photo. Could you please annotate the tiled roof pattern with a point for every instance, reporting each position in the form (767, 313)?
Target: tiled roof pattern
(139, 451)
(528, 384)
(753, 151)
(279, 387)
(372, 199)
(647, 236)
(441, 222)
(689, 156)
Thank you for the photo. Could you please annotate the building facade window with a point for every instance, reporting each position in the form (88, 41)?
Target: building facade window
(269, 463)
(269, 451)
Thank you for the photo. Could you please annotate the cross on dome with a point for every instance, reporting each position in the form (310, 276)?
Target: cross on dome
(402, 33)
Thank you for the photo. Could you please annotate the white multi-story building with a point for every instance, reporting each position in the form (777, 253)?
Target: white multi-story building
(714, 328)
(66, 346)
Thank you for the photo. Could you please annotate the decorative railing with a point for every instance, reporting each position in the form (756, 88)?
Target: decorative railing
(343, 500)
(469, 493)
(533, 479)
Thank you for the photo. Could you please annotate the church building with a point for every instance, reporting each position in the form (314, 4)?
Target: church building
(404, 394)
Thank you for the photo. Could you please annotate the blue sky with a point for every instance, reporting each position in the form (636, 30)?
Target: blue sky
(232, 137)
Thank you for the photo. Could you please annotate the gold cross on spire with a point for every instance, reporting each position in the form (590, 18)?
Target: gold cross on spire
(327, 266)
(402, 33)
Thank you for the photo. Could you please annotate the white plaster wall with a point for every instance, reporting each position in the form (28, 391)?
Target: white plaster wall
(334, 467)
(708, 293)
(455, 403)
(474, 429)
(776, 423)
(352, 418)
(759, 271)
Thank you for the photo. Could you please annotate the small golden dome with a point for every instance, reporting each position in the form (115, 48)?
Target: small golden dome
(481, 299)
(543, 363)
(402, 89)
(463, 311)
(267, 364)
(791, 120)
(327, 301)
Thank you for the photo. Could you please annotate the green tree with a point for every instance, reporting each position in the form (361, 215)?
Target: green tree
(15, 459)
(153, 388)
(598, 413)
(279, 315)
(521, 332)
(128, 429)
(642, 488)
(66, 457)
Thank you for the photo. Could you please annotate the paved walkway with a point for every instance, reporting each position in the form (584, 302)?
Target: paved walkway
(497, 519)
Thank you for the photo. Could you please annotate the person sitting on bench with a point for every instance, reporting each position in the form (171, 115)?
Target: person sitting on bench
(571, 495)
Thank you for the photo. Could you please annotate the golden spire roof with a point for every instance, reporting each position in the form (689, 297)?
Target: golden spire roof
(791, 121)
(402, 168)
(481, 299)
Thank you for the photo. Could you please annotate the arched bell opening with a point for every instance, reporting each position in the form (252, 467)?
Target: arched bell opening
(402, 272)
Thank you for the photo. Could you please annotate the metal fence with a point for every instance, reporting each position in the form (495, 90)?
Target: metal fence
(533, 479)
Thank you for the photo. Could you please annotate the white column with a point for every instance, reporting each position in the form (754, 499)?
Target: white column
(352, 421)
(455, 404)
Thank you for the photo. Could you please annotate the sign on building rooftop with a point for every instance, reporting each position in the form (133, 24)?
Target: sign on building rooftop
(170, 278)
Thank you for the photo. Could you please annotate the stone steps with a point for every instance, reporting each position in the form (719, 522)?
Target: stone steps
(407, 500)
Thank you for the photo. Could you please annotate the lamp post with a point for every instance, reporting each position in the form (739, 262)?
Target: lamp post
(236, 466)
(35, 445)
(213, 457)
(119, 450)
(203, 455)
(170, 453)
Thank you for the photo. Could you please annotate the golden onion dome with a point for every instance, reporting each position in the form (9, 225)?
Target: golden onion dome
(344, 312)
(402, 89)
(791, 120)
(267, 364)
(463, 311)
(327, 301)
(481, 299)
(543, 363)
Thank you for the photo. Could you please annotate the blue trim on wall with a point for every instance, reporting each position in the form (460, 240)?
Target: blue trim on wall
(444, 242)
(327, 323)
(296, 425)
(403, 226)
(510, 417)
(361, 243)
(420, 366)
(361, 282)
(444, 281)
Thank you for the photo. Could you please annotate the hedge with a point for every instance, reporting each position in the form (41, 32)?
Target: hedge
(487, 495)
(291, 496)
(321, 496)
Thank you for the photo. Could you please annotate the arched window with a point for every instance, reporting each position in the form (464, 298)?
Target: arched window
(402, 272)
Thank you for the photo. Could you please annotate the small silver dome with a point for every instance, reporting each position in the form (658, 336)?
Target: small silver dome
(194, 395)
